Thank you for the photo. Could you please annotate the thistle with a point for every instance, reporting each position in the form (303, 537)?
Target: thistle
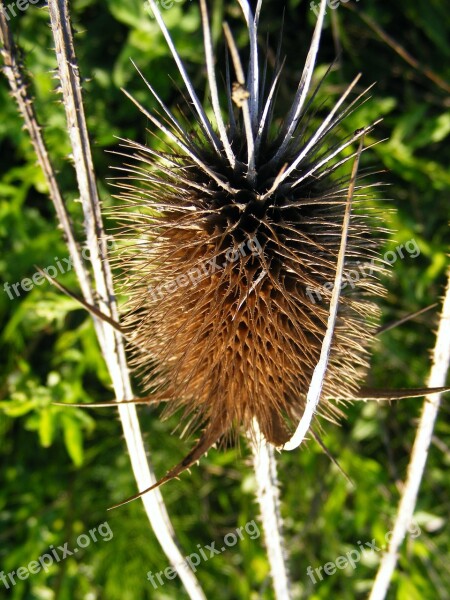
(232, 242)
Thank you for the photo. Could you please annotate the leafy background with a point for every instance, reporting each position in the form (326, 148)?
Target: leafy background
(61, 468)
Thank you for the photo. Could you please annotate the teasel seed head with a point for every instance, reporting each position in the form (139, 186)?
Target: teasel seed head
(231, 245)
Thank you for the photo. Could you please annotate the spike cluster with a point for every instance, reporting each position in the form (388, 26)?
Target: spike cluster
(232, 239)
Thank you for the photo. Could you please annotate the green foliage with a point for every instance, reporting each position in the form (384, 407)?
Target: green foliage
(63, 467)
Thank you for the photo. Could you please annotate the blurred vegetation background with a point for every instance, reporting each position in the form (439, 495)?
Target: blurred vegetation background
(61, 468)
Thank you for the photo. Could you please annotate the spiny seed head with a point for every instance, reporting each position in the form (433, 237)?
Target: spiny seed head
(232, 252)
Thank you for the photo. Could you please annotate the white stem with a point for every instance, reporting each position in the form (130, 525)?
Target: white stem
(112, 343)
(318, 378)
(416, 467)
(265, 467)
(18, 85)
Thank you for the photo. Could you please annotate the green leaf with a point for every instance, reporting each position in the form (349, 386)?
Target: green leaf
(46, 426)
(73, 439)
(17, 407)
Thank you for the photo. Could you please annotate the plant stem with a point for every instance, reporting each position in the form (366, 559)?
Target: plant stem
(416, 467)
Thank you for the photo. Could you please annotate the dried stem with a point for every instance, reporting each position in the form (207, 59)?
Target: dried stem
(109, 339)
(317, 380)
(265, 466)
(416, 467)
(113, 349)
(13, 71)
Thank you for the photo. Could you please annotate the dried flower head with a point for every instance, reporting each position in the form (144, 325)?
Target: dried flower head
(233, 237)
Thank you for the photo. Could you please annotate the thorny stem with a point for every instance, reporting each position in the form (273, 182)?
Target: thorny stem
(416, 467)
(110, 340)
(113, 348)
(265, 466)
(13, 71)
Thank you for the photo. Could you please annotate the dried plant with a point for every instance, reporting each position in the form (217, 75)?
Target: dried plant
(262, 209)
(233, 249)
